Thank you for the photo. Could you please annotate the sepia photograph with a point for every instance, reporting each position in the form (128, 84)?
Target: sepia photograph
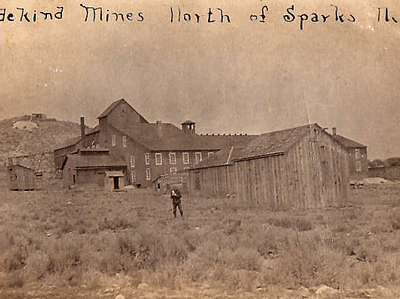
(199, 149)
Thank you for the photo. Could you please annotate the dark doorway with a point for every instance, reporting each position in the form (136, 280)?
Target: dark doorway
(116, 183)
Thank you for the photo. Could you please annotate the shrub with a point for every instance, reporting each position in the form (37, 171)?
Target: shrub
(219, 244)
(15, 280)
(37, 266)
(295, 223)
(245, 259)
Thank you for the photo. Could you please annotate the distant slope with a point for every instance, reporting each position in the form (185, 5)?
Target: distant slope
(21, 136)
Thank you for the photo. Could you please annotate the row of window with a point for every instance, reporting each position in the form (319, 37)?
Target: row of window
(172, 158)
(158, 156)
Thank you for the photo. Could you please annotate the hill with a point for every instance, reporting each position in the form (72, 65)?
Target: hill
(24, 135)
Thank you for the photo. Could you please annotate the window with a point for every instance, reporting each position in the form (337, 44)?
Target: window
(147, 158)
(210, 154)
(198, 158)
(123, 141)
(133, 164)
(158, 159)
(185, 158)
(148, 176)
(172, 158)
(133, 177)
(173, 170)
(358, 165)
(357, 153)
(113, 140)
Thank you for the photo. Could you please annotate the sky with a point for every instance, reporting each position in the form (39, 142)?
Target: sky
(242, 76)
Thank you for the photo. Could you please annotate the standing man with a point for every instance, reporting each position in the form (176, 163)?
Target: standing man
(176, 201)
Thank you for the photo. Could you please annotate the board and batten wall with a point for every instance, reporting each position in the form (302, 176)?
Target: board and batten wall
(213, 181)
(313, 173)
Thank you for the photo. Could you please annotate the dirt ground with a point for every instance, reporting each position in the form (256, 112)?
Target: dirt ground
(84, 244)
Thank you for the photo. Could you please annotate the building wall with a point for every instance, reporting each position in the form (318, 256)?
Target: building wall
(166, 166)
(358, 172)
(109, 183)
(90, 176)
(104, 135)
(95, 177)
(213, 181)
(61, 153)
(68, 173)
(123, 116)
(135, 149)
(314, 173)
(21, 178)
(91, 140)
(132, 149)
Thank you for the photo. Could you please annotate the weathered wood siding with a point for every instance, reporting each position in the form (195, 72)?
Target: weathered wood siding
(213, 181)
(313, 173)
(21, 178)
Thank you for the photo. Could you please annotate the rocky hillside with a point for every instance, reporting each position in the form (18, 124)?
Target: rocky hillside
(24, 136)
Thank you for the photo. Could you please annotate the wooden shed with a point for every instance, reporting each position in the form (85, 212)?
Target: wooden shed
(302, 167)
(94, 168)
(21, 178)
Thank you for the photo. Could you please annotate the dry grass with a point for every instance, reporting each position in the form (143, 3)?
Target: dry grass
(75, 238)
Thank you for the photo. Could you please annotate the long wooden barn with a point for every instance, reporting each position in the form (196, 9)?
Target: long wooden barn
(302, 167)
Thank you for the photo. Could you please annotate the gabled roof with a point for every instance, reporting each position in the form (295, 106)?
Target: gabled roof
(348, 143)
(94, 161)
(114, 105)
(276, 142)
(167, 137)
(223, 141)
(223, 157)
(269, 144)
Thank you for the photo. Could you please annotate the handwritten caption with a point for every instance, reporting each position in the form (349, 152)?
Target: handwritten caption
(176, 15)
